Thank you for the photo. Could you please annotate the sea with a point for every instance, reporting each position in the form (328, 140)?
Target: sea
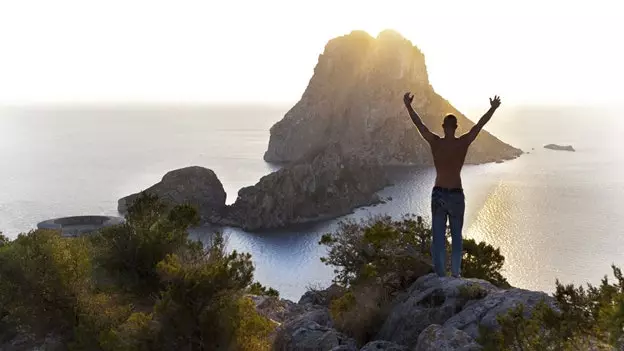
(555, 215)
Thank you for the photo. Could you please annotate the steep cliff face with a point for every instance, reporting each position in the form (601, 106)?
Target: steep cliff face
(355, 97)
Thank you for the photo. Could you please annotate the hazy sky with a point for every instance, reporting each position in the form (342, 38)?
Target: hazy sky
(226, 51)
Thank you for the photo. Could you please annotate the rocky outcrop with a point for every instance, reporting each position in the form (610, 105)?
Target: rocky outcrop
(463, 304)
(559, 147)
(194, 185)
(354, 99)
(322, 297)
(433, 314)
(328, 186)
(438, 338)
(312, 331)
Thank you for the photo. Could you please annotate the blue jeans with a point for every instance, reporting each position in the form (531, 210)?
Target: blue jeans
(447, 203)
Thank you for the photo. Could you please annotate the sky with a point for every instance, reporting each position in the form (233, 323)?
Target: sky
(208, 51)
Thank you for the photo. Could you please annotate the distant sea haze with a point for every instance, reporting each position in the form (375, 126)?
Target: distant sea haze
(554, 214)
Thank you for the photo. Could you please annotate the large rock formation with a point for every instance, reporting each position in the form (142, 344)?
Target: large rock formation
(463, 304)
(433, 314)
(328, 186)
(355, 98)
(194, 185)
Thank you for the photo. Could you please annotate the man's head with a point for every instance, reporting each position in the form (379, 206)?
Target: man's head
(449, 124)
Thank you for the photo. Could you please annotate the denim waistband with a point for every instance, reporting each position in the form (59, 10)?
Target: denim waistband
(448, 190)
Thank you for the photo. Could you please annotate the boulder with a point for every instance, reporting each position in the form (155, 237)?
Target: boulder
(276, 309)
(438, 338)
(322, 297)
(327, 186)
(484, 311)
(197, 186)
(430, 300)
(312, 331)
(355, 99)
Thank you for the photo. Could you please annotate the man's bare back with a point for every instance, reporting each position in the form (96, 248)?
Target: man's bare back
(448, 158)
(449, 152)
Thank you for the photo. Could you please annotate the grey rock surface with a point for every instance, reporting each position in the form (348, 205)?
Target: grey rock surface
(381, 345)
(311, 331)
(438, 338)
(322, 297)
(430, 300)
(484, 312)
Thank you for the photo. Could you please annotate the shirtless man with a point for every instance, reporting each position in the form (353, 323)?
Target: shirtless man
(447, 197)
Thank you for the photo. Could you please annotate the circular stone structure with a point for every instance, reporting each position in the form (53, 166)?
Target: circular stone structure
(78, 225)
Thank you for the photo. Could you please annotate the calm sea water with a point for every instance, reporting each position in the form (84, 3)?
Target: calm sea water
(553, 214)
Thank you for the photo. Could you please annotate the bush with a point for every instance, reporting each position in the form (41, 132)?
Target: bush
(203, 304)
(97, 315)
(591, 318)
(130, 252)
(257, 289)
(378, 248)
(3, 240)
(361, 311)
(483, 261)
(49, 284)
(43, 277)
(398, 252)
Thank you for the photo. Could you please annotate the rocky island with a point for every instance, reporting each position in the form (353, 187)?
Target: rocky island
(355, 97)
(326, 187)
(335, 143)
(559, 147)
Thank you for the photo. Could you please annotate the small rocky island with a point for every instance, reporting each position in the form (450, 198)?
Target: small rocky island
(336, 142)
(559, 147)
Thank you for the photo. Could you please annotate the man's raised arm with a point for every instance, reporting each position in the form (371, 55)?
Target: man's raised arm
(474, 131)
(422, 128)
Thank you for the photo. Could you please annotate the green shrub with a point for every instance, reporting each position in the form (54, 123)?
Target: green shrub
(202, 304)
(483, 261)
(42, 279)
(3, 240)
(398, 252)
(134, 334)
(97, 315)
(130, 252)
(361, 311)
(379, 248)
(472, 291)
(589, 318)
(258, 289)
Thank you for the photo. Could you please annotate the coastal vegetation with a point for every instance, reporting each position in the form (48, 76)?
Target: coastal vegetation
(144, 285)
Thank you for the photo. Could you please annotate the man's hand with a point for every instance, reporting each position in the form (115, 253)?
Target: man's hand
(496, 102)
(407, 99)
